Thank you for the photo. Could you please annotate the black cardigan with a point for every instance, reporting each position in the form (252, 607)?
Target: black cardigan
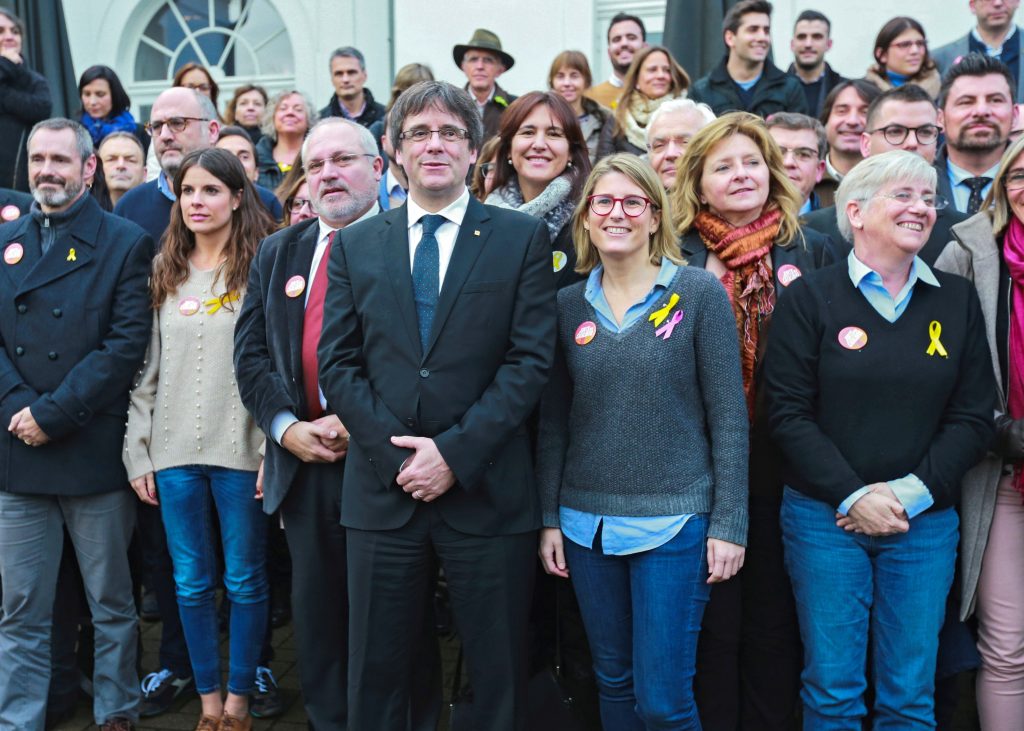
(845, 417)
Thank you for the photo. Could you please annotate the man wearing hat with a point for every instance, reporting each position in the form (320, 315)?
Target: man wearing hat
(483, 61)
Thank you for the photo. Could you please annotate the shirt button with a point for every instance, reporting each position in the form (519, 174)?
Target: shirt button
(57, 312)
(424, 373)
(19, 350)
(22, 309)
(51, 355)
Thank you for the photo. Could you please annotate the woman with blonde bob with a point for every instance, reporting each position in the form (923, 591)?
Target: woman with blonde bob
(736, 213)
(653, 78)
(642, 449)
(988, 249)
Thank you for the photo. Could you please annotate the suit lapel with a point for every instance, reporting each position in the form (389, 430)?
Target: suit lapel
(17, 272)
(470, 242)
(299, 259)
(396, 263)
(73, 251)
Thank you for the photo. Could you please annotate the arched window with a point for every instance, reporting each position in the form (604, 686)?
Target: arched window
(240, 41)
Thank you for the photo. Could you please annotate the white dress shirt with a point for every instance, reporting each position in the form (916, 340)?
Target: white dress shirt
(446, 233)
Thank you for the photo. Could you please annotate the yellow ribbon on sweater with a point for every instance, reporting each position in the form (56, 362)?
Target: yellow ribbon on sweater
(658, 316)
(934, 331)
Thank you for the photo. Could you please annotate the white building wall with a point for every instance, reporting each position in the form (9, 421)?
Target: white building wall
(533, 31)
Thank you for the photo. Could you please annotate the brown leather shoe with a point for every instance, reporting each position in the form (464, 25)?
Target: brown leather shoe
(117, 724)
(234, 723)
(208, 723)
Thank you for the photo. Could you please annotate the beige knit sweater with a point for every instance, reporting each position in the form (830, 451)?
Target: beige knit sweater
(185, 408)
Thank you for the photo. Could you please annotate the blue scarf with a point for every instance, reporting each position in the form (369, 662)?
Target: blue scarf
(100, 128)
(896, 79)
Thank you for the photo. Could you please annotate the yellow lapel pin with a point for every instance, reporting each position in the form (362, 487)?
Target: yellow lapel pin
(934, 331)
(71, 255)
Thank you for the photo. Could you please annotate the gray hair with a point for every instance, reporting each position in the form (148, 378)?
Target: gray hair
(267, 123)
(207, 110)
(366, 140)
(350, 52)
(439, 95)
(83, 140)
(797, 121)
(681, 105)
(120, 135)
(873, 173)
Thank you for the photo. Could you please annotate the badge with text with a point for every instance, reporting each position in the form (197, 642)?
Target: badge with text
(13, 253)
(934, 331)
(853, 338)
(559, 260)
(189, 306)
(295, 286)
(788, 273)
(585, 332)
(10, 213)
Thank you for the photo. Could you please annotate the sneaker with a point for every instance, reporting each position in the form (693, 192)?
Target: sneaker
(117, 724)
(266, 702)
(160, 690)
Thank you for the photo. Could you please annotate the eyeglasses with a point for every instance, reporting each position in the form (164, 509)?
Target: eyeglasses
(632, 205)
(338, 160)
(907, 45)
(906, 198)
(486, 169)
(802, 154)
(204, 88)
(1014, 180)
(176, 124)
(895, 134)
(422, 134)
(297, 204)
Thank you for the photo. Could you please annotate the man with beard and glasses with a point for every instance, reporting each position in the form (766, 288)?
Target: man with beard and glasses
(277, 372)
(73, 333)
(976, 108)
(124, 163)
(626, 36)
(812, 39)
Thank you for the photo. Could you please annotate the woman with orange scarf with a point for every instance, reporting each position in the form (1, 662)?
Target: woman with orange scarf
(737, 217)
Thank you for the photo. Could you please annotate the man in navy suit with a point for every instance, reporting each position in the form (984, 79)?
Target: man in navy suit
(74, 324)
(438, 342)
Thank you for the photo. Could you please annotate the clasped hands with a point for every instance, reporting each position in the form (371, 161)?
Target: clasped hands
(23, 426)
(321, 440)
(876, 513)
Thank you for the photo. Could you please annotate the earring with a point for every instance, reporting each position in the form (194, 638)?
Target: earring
(510, 161)
(569, 164)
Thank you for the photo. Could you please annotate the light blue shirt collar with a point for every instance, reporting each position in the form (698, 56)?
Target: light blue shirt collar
(918, 270)
(594, 294)
(958, 175)
(164, 186)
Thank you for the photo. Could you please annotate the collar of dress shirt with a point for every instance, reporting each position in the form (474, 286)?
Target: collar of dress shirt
(615, 81)
(164, 186)
(454, 211)
(993, 50)
(959, 175)
(391, 182)
(918, 271)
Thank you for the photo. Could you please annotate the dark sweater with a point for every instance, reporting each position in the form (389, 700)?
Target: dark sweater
(151, 209)
(846, 418)
(635, 425)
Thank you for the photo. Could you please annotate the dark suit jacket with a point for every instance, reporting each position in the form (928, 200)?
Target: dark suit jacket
(824, 220)
(73, 333)
(482, 373)
(268, 347)
(10, 197)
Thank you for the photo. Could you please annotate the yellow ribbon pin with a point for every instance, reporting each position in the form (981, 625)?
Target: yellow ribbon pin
(658, 316)
(71, 255)
(934, 331)
(215, 303)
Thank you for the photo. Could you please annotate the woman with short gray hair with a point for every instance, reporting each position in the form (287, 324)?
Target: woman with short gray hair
(881, 398)
(286, 120)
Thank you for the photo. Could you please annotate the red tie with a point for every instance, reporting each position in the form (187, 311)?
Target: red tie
(312, 324)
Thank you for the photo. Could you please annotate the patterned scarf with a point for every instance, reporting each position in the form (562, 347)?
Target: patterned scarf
(553, 205)
(746, 254)
(641, 107)
(1013, 253)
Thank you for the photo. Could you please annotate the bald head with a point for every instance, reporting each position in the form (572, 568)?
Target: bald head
(182, 120)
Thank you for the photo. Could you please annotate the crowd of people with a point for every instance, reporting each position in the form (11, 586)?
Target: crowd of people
(740, 358)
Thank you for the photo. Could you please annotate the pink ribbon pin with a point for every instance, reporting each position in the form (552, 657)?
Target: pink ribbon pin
(665, 331)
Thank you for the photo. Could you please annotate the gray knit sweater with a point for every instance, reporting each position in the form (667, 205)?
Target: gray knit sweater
(636, 425)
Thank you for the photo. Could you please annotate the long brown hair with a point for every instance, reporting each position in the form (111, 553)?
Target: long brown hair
(680, 82)
(250, 223)
(563, 115)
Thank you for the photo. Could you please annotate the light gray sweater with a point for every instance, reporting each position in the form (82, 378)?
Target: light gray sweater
(186, 409)
(636, 425)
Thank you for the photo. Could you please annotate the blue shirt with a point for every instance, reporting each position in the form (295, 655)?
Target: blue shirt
(164, 186)
(909, 489)
(621, 536)
(748, 85)
(896, 79)
(962, 191)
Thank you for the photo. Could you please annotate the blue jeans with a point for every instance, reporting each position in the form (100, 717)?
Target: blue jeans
(849, 586)
(642, 613)
(187, 498)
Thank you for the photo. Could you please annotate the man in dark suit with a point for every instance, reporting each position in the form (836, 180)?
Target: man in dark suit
(900, 119)
(74, 325)
(438, 346)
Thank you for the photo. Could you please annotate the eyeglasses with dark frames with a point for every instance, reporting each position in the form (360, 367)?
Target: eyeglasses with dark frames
(176, 124)
(895, 134)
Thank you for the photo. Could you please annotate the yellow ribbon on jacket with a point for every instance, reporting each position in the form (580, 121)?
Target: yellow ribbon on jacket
(934, 331)
(658, 316)
(71, 255)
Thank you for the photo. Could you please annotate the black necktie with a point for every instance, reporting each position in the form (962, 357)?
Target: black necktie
(426, 274)
(976, 185)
